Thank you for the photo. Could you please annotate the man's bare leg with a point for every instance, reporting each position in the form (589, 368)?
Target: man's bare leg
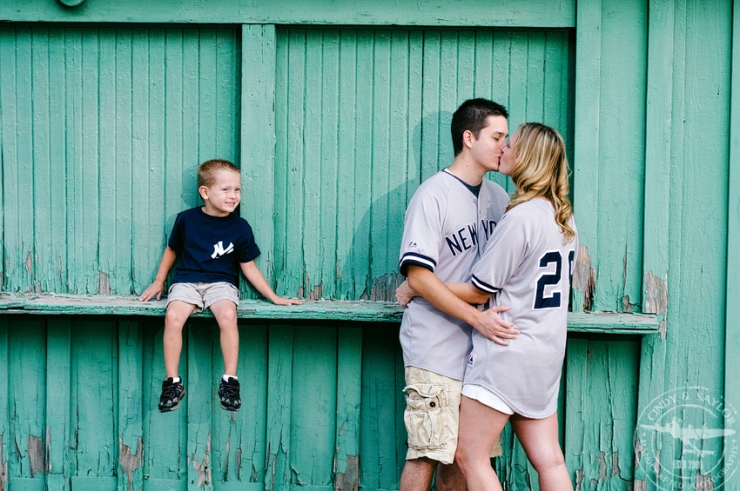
(417, 474)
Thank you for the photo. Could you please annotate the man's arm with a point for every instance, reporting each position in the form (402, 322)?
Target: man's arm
(488, 323)
(157, 286)
(254, 276)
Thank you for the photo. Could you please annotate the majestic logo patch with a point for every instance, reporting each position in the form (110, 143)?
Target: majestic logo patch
(218, 249)
(412, 244)
(471, 359)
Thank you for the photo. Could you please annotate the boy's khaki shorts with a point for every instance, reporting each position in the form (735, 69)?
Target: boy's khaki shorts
(203, 295)
(432, 416)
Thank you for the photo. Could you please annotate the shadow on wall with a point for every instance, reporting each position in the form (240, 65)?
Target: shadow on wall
(370, 269)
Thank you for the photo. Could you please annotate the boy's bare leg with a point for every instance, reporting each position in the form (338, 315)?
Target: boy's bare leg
(175, 318)
(450, 478)
(539, 437)
(225, 313)
(417, 474)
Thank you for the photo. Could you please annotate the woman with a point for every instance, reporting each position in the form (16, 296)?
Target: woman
(526, 266)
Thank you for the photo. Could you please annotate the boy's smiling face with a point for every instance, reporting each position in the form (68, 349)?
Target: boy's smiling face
(224, 195)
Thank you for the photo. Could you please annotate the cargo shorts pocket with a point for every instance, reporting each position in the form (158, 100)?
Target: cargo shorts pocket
(424, 415)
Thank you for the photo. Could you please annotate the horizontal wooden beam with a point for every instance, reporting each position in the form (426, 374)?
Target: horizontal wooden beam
(50, 304)
(500, 13)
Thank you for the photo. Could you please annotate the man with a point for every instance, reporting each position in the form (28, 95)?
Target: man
(448, 222)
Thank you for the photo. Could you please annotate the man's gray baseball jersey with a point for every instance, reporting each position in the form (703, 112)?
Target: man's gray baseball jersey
(527, 265)
(445, 230)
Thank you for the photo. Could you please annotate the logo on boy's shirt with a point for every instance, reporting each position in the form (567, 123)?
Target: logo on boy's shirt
(218, 249)
(471, 360)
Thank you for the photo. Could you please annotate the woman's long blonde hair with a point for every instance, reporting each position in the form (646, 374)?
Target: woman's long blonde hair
(541, 170)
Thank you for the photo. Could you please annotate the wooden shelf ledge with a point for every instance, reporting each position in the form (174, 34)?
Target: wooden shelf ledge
(364, 311)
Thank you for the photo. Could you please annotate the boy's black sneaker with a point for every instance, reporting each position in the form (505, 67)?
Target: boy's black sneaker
(172, 394)
(229, 394)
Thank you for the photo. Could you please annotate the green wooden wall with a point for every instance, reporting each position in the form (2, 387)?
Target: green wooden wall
(335, 112)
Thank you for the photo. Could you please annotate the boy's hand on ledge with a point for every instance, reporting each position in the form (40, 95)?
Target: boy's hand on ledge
(286, 301)
(155, 289)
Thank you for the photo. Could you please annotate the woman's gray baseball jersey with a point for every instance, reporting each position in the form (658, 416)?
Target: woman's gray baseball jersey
(445, 230)
(527, 265)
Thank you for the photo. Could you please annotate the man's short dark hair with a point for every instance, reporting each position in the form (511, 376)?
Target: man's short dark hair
(472, 115)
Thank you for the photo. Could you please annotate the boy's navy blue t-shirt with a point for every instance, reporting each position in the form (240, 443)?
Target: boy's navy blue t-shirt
(211, 248)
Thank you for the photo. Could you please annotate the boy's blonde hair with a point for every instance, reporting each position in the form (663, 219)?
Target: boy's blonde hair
(207, 171)
(541, 170)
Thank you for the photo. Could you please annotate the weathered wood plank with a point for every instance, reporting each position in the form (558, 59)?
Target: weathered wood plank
(349, 402)
(27, 399)
(314, 396)
(345, 231)
(383, 435)
(732, 309)
(619, 206)
(599, 435)
(58, 403)
(617, 323)
(586, 148)
(536, 13)
(251, 423)
(5, 436)
(201, 386)
(93, 382)
(130, 424)
(279, 405)
(258, 137)
(659, 145)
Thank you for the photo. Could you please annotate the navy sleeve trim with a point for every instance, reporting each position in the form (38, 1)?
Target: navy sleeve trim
(416, 260)
(484, 286)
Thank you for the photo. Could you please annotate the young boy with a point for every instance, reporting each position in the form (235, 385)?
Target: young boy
(213, 243)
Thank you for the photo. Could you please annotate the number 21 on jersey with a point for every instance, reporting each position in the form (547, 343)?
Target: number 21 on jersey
(551, 298)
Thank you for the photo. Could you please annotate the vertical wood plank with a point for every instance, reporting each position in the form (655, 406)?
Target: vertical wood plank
(311, 85)
(363, 162)
(191, 109)
(154, 188)
(279, 198)
(178, 193)
(94, 384)
(27, 398)
(586, 147)
(58, 402)
(314, 406)
(620, 212)
(349, 402)
(599, 436)
(88, 171)
(130, 411)
(279, 403)
(295, 266)
(433, 130)
(732, 309)
(56, 277)
(658, 162)
(329, 198)
(258, 69)
(383, 435)
(41, 183)
(122, 176)
(143, 267)
(17, 121)
(106, 161)
(5, 433)
(347, 253)
(251, 423)
(200, 402)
